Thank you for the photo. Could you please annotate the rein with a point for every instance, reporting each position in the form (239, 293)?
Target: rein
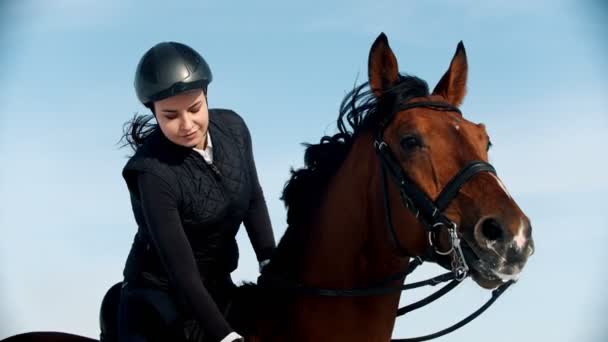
(428, 212)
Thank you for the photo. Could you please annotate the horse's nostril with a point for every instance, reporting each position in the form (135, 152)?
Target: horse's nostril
(491, 229)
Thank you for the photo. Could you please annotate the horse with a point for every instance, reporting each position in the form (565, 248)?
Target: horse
(405, 178)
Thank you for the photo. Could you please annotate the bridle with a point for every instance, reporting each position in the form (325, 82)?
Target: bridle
(427, 211)
(430, 214)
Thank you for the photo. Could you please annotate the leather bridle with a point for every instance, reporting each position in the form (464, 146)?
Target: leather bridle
(427, 211)
(430, 214)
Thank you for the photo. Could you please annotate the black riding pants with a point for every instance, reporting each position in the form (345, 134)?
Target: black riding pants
(149, 314)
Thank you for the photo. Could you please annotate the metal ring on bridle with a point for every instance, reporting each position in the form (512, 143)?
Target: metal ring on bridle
(448, 252)
(379, 145)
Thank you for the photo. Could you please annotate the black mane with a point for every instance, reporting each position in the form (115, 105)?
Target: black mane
(360, 110)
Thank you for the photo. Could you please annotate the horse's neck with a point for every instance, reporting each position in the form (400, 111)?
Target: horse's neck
(348, 247)
(349, 233)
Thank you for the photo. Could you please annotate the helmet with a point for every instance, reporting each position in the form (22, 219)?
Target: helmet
(170, 68)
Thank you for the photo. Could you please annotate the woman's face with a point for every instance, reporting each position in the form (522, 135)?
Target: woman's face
(184, 118)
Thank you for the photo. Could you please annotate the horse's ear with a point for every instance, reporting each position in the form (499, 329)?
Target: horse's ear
(453, 84)
(383, 71)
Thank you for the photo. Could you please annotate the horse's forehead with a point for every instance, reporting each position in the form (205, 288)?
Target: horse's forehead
(444, 128)
(429, 120)
(463, 125)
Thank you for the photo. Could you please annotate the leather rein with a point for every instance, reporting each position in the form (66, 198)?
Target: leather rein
(430, 214)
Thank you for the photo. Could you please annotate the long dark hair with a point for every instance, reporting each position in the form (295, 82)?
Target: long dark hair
(136, 130)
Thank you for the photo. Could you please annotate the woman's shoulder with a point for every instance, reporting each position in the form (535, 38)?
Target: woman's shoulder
(227, 118)
(150, 166)
(231, 123)
(156, 155)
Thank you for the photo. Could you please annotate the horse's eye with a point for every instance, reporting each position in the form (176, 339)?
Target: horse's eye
(409, 142)
(489, 145)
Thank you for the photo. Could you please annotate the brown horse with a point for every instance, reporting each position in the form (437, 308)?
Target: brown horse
(404, 159)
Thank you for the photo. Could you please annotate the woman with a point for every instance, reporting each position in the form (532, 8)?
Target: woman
(192, 182)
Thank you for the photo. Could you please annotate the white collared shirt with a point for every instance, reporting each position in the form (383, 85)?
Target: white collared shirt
(207, 153)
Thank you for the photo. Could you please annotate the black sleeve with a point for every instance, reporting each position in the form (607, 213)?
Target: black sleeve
(160, 209)
(257, 220)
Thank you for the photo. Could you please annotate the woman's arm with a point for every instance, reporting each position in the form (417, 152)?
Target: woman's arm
(162, 218)
(257, 220)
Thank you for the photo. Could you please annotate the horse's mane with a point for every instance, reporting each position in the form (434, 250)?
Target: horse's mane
(358, 112)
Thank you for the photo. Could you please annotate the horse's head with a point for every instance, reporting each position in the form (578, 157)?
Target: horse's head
(432, 142)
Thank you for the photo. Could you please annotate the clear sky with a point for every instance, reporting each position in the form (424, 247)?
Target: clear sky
(537, 80)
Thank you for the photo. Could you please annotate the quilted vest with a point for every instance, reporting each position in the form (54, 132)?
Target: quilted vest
(213, 199)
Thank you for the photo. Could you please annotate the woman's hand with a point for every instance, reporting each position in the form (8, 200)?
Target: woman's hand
(233, 337)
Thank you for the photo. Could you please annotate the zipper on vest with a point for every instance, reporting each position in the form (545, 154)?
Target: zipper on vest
(216, 172)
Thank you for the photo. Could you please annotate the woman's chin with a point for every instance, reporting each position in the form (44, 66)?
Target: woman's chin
(193, 141)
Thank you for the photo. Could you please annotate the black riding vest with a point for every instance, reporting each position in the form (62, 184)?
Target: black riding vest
(213, 199)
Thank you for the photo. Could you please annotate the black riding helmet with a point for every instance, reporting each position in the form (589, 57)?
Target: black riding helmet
(170, 68)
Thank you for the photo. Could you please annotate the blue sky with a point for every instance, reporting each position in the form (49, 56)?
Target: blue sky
(537, 80)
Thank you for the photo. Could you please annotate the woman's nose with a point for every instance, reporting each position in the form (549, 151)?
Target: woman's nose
(186, 124)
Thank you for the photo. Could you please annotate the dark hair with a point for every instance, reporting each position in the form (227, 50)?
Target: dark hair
(136, 130)
(360, 110)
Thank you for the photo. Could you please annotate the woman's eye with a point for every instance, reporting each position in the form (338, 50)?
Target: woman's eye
(409, 142)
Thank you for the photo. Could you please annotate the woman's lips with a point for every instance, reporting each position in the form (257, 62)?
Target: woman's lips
(190, 135)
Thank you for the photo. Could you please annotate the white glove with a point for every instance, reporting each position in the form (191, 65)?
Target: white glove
(233, 337)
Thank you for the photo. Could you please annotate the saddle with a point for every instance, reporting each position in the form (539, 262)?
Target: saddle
(108, 315)
(154, 311)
